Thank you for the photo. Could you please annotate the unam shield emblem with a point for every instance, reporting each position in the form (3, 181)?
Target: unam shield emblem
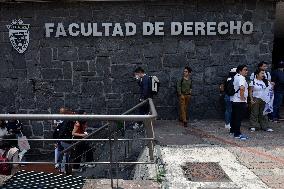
(19, 35)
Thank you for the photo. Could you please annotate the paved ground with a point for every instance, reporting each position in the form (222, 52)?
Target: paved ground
(261, 157)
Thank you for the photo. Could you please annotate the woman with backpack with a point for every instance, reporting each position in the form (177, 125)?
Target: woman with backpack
(257, 88)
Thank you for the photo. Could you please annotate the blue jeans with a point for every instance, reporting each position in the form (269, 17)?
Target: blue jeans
(228, 109)
(278, 99)
(66, 157)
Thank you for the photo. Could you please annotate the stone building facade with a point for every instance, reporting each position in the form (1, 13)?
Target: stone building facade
(96, 73)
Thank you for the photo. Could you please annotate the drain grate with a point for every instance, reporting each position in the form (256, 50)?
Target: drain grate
(204, 172)
(40, 180)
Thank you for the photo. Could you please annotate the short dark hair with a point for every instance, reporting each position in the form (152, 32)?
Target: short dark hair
(261, 64)
(257, 72)
(139, 70)
(240, 68)
(188, 69)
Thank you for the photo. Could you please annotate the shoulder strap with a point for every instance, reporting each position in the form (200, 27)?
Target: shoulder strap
(5, 153)
(181, 82)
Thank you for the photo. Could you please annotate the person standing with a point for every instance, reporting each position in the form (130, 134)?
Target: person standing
(227, 99)
(79, 132)
(3, 129)
(239, 101)
(256, 92)
(184, 90)
(278, 79)
(57, 145)
(145, 92)
(262, 66)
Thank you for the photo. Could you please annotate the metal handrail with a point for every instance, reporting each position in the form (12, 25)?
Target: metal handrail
(152, 108)
(87, 117)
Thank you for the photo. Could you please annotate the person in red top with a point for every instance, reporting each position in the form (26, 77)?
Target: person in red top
(79, 132)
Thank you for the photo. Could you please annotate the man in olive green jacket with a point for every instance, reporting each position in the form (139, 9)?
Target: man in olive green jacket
(184, 89)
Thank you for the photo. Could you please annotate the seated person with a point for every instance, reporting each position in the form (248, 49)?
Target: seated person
(9, 149)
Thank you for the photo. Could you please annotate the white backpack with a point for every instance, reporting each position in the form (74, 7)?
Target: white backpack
(154, 84)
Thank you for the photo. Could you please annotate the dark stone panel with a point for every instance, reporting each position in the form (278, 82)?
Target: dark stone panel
(51, 74)
(63, 86)
(80, 66)
(68, 54)
(96, 73)
(37, 127)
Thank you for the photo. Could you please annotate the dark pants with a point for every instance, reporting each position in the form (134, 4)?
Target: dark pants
(257, 119)
(238, 111)
(278, 99)
(228, 111)
(145, 109)
(78, 154)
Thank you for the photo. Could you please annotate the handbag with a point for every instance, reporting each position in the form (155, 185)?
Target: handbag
(23, 143)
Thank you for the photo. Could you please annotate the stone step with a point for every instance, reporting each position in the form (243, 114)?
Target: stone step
(129, 184)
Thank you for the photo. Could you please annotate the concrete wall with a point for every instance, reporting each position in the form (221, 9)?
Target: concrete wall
(95, 73)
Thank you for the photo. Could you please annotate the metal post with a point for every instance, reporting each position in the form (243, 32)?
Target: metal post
(116, 157)
(110, 156)
(150, 133)
(125, 147)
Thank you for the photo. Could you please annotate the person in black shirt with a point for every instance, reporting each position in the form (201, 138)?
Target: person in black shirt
(14, 126)
(145, 91)
(278, 79)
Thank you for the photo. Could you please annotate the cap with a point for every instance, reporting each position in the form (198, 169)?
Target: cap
(233, 70)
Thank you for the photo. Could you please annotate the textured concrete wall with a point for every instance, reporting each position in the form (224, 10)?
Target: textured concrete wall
(95, 73)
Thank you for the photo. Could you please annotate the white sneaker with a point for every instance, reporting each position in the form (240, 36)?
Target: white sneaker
(227, 126)
(269, 130)
(76, 170)
(90, 166)
(136, 126)
(252, 129)
(56, 166)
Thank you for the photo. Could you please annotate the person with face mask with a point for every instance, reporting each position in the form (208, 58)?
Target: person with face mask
(256, 91)
(145, 92)
(184, 90)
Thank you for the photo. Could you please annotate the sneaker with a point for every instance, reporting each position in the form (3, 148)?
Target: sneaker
(269, 130)
(90, 166)
(76, 170)
(136, 126)
(56, 166)
(275, 120)
(227, 126)
(185, 124)
(242, 137)
(252, 129)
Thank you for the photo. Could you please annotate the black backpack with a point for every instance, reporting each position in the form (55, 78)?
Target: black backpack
(229, 87)
(64, 130)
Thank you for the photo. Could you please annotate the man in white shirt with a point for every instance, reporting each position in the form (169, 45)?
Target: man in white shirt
(239, 101)
(262, 66)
